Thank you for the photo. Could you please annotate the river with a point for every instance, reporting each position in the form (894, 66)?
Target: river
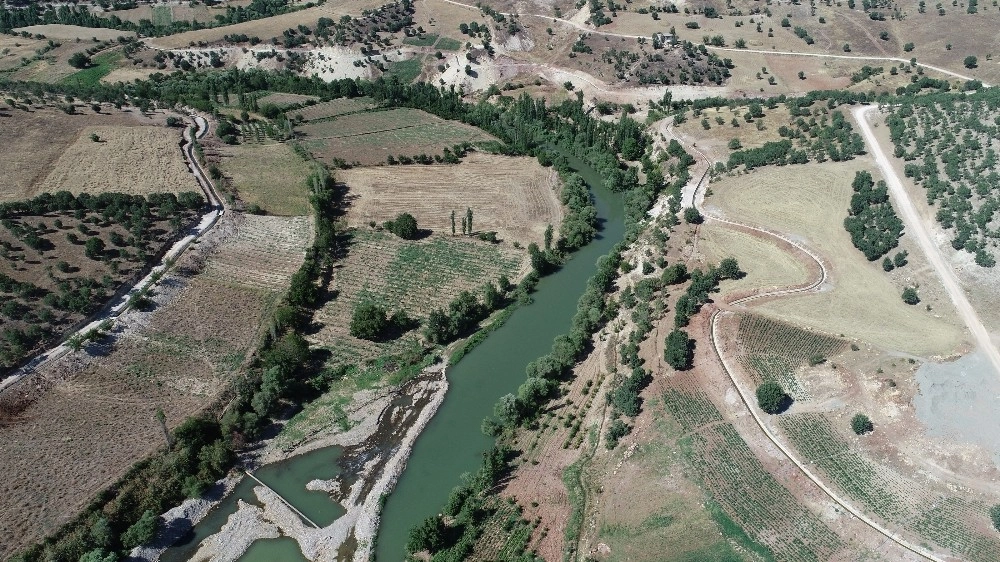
(452, 443)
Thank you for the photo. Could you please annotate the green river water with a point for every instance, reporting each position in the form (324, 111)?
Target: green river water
(452, 442)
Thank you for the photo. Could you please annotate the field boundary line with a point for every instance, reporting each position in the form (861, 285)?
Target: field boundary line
(713, 337)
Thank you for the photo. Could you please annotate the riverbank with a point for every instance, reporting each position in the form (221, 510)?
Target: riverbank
(384, 422)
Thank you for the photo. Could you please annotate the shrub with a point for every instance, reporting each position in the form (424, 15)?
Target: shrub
(404, 226)
(910, 296)
(971, 62)
(142, 531)
(368, 321)
(692, 216)
(428, 535)
(771, 397)
(861, 424)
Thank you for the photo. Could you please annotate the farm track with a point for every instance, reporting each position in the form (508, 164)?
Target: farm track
(112, 312)
(745, 396)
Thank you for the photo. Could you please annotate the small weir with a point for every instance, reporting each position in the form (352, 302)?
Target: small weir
(283, 500)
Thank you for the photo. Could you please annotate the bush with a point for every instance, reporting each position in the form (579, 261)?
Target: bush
(404, 226)
(771, 397)
(971, 62)
(368, 321)
(428, 535)
(142, 531)
(861, 424)
(80, 60)
(910, 296)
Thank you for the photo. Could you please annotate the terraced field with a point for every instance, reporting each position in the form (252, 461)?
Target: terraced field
(332, 108)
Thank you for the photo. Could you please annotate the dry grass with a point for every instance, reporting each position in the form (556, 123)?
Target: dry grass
(263, 253)
(765, 264)
(269, 175)
(90, 418)
(135, 160)
(35, 140)
(282, 100)
(73, 32)
(269, 27)
(12, 49)
(371, 137)
(810, 202)
(516, 197)
(333, 108)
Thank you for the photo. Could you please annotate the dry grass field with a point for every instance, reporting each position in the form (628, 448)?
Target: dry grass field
(283, 100)
(765, 264)
(35, 141)
(332, 108)
(371, 137)
(415, 276)
(269, 27)
(263, 253)
(516, 197)
(13, 49)
(810, 202)
(86, 418)
(73, 32)
(135, 160)
(269, 175)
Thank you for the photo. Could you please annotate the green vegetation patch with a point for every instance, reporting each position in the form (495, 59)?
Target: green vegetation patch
(406, 70)
(162, 16)
(448, 44)
(102, 65)
(422, 41)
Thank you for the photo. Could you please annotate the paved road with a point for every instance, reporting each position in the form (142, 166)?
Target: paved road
(918, 229)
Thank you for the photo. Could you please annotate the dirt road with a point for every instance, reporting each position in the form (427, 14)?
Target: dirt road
(208, 220)
(921, 233)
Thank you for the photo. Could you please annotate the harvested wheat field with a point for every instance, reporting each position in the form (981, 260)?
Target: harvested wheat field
(34, 142)
(415, 276)
(516, 197)
(79, 423)
(264, 251)
(62, 32)
(134, 160)
(271, 176)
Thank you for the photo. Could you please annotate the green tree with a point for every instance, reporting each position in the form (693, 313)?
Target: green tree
(861, 424)
(910, 296)
(428, 535)
(453, 223)
(142, 531)
(99, 555)
(79, 60)
(900, 259)
(692, 216)
(887, 264)
(368, 321)
(677, 351)
(507, 410)
(404, 226)
(101, 533)
(771, 397)
(94, 248)
(995, 516)
(729, 268)
(971, 62)
(548, 238)
(468, 219)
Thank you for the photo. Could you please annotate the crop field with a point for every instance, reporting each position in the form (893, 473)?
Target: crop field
(83, 421)
(333, 108)
(284, 100)
(103, 64)
(263, 253)
(415, 276)
(134, 160)
(269, 175)
(772, 351)
(953, 521)
(371, 137)
(515, 197)
(751, 495)
(862, 302)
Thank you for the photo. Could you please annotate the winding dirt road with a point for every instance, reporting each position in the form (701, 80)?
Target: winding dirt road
(921, 233)
(691, 193)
